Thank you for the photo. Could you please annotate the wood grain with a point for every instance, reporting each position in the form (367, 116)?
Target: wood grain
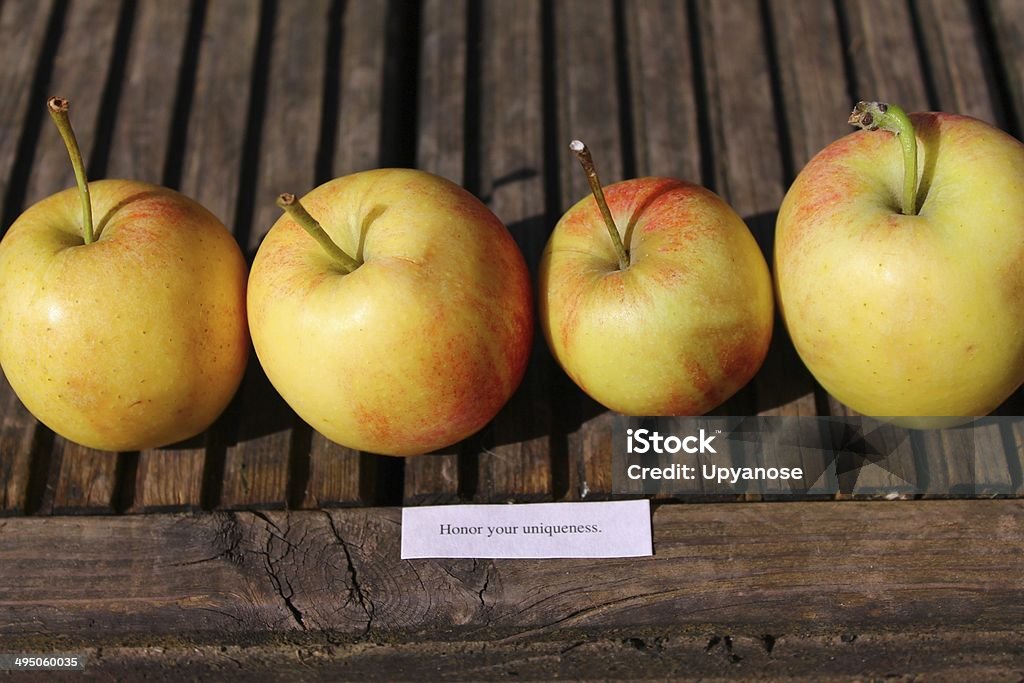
(587, 108)
(86, 478)
(884, 66)
(434, 478)
(140, 146)
(611, 655)
(515, 458)
(955, 461)
(22, 31)
(145, 110)
(256, 466)
(1007, 23)
(339, 475)
(174, 477)
(719, 568)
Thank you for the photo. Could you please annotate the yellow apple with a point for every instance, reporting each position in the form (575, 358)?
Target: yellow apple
(129, 336)
(407, 327)
(903, 291)
(654, 296)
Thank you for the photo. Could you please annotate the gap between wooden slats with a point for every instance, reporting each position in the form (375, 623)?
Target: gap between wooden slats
(285, 127)
(587, 107)
(25, 28)
(515, 459)
(434, 478)
(351, 135)
(1000, 26)
(951, 44)
(212, 172)
(86, 72)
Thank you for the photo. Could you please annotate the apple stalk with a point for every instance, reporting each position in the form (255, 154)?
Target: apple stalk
(294, 208)
(890, 117)
(587, 162)
(58, 108)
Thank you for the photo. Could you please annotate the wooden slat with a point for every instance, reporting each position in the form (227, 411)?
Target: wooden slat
(139, 149)
(86, 477)
(741, 568)
(749, 173)
(663, 101)
(22, 31)
(256, 466)
(886, 67)
(954, 461)
(1007, 20)
(657, 654)
(883, 55)
(211, 168)
(434, 478)
(664, 113)
(954, 42)
(588, 108)
(338, 475)
(811, 101)
(515, 463)
(145, 112)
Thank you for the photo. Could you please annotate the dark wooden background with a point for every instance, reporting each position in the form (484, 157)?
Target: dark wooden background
(234, 101)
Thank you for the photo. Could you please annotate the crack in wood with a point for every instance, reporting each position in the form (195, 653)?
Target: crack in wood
(355, 588)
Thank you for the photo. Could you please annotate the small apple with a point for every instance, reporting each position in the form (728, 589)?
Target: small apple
(654, 296)
(129, 336)
(405, 325)
(903, 290)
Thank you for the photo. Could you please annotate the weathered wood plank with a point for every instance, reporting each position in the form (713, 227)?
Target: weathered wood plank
(339, 475)
(956, 462)
(1007, 23)
(139, 150)
(882, 53)
(663, 98)
(145, 113)
(87, 481)
(434, 478)
(954, 45)
(22, 31)
(210, 175)
(649, 654)
(586, 84)
(811, 103)
(256, 466)
(515, 461)
(885, 66)
(751, 175)
(717, 567)
(87, 477)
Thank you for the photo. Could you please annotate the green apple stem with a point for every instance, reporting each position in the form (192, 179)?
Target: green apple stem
(58, 107)
(587, 162)
(293, 207)
(890, 117)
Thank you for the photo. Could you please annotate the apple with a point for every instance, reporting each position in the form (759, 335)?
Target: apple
(900, 275)
(405, 324)
(129, 335)
(654, 297)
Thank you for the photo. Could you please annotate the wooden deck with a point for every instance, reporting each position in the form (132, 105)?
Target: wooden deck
(238, 539)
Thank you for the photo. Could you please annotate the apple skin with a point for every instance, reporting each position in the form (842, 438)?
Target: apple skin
(900, 315)
(423, 343)
(684, 326)
(134, 341)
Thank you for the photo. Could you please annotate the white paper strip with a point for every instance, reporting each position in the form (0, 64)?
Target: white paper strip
(542, 530)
